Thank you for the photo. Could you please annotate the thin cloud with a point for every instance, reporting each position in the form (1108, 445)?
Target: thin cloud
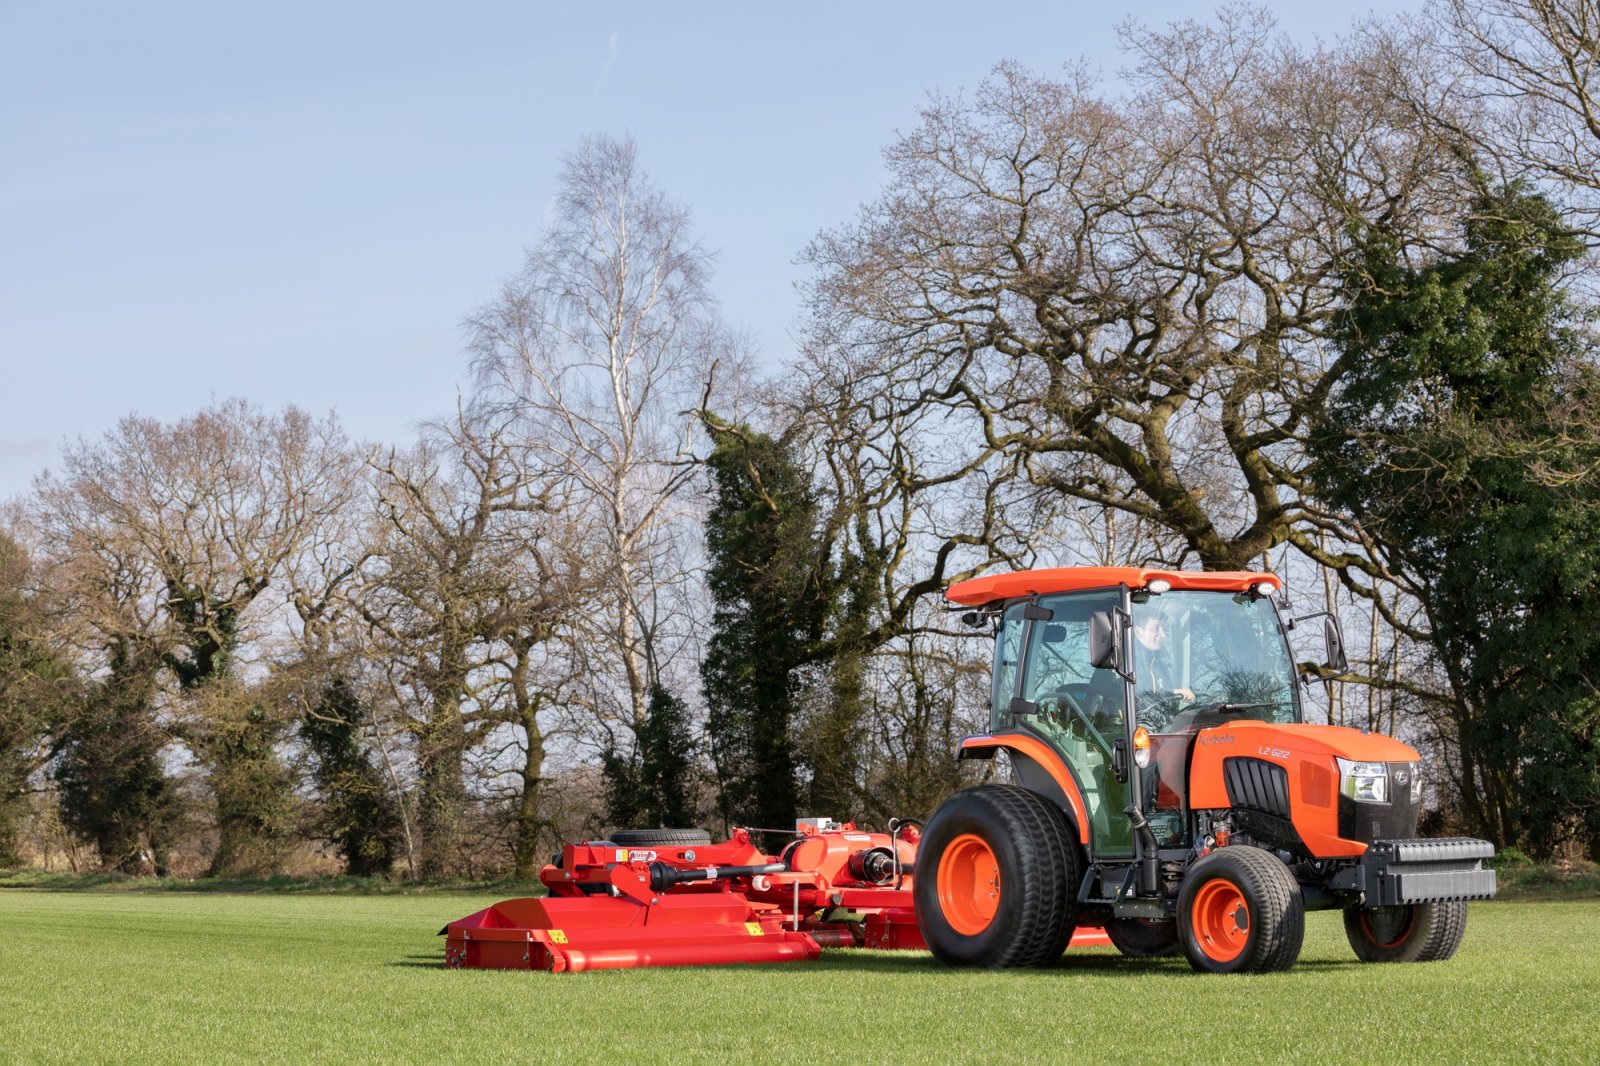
(26, 447)
(611, 59)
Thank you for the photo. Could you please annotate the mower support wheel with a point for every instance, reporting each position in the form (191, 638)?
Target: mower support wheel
(644, 838)
(997, 878)
(1241, 910)
(1143, 938)
(1418, 932)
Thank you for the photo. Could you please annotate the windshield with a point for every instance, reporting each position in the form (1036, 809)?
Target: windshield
(1200, 658)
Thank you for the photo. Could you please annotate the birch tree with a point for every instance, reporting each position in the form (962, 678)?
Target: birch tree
(600, 347)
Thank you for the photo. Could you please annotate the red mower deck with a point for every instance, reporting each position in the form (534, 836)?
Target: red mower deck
(615, 907)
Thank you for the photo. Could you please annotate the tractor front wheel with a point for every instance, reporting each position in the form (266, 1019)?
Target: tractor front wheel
(1241, 910)
(1418, 932)
(997, 878)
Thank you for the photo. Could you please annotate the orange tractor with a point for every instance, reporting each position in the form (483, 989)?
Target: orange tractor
(1168, 789)
(1166, 795)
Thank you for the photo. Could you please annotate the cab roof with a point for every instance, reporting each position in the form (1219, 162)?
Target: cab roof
(993, 588)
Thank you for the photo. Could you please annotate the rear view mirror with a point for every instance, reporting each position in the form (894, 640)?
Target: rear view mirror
(1102, 643)
(1333, 638)
(1108, 637)
(1054, 634)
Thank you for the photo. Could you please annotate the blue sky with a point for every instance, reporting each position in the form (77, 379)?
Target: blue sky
(299, 202)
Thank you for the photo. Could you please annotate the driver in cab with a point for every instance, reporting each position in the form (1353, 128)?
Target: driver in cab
(1158, 692)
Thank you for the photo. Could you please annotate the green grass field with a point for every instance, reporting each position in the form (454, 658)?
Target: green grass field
(122, 976)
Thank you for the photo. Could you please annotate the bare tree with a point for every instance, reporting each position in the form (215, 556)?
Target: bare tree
(1528, 74)
(459, 596)
(163, 537)
(1120, 302)
(600, 347)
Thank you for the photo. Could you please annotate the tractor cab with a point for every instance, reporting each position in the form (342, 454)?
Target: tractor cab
(1180, 660)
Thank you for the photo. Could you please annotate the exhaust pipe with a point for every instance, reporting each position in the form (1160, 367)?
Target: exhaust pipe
(1149, 866)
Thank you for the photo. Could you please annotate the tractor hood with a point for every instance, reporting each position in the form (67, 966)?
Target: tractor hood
(1264, 740)
(1290, 772)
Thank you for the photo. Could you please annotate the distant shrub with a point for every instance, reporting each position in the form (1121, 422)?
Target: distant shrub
(1509, 858)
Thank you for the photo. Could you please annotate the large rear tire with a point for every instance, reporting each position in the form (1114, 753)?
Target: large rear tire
(1419, 932)
(1143, 938)
(997, 878)
(1241, 910)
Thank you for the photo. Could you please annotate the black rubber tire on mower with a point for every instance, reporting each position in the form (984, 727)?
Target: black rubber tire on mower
(1274, 913)
(1038, 868)
(644, 838)
(1418, 932)
(1144, 938)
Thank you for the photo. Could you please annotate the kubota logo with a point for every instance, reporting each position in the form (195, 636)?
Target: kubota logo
(1225, 738)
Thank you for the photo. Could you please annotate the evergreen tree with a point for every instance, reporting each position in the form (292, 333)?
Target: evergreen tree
(35, 690)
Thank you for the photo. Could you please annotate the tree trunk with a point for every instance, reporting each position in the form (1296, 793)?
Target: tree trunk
(443, 792)
(525, 858)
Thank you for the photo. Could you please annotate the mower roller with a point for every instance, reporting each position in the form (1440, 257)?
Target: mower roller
(657, 900)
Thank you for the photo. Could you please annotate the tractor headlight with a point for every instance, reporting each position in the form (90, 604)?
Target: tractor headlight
(1364, 782)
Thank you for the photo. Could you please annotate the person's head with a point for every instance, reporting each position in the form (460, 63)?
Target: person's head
(1151, 631)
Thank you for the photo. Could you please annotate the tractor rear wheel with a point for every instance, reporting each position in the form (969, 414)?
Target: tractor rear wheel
(1143, 938)
(1418, 932)
(1241, 910)
(642, 838)
(997, 878)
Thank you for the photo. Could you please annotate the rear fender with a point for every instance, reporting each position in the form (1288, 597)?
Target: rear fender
(1041, 769)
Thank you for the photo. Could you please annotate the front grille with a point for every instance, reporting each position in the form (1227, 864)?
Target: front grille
(1256, 785)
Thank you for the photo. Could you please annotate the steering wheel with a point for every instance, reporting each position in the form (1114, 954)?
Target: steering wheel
(1064, 697)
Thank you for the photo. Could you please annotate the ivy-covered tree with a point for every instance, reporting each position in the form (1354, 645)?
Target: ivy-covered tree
(1462, 439)
(357, 812)
(114, 791)
(36, 688)
(769, 579)
(653, 787)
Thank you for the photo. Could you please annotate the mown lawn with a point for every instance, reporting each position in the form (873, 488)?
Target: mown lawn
(114, 977)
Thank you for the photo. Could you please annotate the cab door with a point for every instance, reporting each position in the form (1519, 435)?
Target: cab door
(1079, 711)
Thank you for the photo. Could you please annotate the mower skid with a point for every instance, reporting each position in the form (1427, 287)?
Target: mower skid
(496, 939)
(571, 934)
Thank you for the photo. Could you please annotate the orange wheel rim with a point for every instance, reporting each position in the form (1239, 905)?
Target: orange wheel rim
(969, 884)
(1221, 920)
(1397, 931)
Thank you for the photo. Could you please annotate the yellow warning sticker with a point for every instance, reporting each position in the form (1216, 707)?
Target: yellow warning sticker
(557, 937)
(755, 928)
(622, 854)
